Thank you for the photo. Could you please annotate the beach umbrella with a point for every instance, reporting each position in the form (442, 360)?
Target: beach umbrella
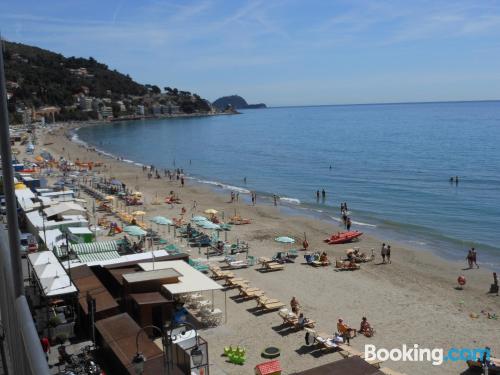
(162, 220)
(210, 225)
(109, 197)
(134, 230)
(138, 213)
(199, 218)
(137, 193)
(284, 239)
(115, 182)
(211, 211)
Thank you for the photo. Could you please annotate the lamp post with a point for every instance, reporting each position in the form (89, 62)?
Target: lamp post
(139, 359)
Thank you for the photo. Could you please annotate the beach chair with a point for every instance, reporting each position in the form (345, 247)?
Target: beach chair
(236, 282)
(346, 266)
(272, 266)
(269, 304)
(251, 293)
(348, 351)
(322, 340)
(291, 319)
(389, 371)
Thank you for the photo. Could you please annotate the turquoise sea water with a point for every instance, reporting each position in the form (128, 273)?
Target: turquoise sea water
(390, 163)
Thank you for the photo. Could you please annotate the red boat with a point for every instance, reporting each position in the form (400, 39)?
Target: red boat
(343, 237)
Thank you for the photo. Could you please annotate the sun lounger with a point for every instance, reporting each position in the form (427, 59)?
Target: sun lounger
(324, 341)
(346, 266)
(291, 319)
(317, 263)
(236, 282)
(389, 371)
(251, 292)
(271, 306)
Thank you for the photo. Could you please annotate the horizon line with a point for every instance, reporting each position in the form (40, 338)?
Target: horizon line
(382, 103)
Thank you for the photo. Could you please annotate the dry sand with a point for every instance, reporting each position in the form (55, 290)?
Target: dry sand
(413, 300)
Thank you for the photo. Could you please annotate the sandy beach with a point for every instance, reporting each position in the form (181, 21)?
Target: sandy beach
(411, 301)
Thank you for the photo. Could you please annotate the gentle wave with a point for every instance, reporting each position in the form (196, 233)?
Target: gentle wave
(290, 200)
(224, 186)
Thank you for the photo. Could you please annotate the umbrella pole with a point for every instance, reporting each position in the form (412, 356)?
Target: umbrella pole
(225, 306)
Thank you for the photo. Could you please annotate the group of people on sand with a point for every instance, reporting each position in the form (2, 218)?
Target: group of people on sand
(344, 331)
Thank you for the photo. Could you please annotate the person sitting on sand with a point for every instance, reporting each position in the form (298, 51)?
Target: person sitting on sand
(295, 305)
(365, 328)
(345, 331)
(324, 258)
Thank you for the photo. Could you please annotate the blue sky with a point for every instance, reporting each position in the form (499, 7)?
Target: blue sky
(280, 52)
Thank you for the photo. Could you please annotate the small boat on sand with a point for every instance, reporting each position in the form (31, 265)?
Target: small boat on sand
(343, 237)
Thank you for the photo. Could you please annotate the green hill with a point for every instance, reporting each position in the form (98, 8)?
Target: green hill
(37, 77)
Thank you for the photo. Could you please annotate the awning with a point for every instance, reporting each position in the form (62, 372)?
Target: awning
(50, 274)
(190, 281)
(94, 247)
(98, 257)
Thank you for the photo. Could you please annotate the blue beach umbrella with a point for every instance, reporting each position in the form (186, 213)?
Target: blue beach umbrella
(134, 230)
(199, 218)
(284, 239)
(162, 220)
(210, 225)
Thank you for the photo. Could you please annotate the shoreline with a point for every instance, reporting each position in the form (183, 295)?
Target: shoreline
(297, 207)
(413, 300)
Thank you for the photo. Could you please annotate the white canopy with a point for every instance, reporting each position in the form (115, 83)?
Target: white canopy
(191, 280)
(50, 274)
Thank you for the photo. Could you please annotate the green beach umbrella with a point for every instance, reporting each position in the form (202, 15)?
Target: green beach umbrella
(199, 218)
(210, 225)
(284, 239)
(134, 230)
(162, 220)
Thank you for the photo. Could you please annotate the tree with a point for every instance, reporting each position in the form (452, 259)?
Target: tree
(155, 89)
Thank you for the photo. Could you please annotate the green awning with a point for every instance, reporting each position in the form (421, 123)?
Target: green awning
(98, 257)
(94, 247)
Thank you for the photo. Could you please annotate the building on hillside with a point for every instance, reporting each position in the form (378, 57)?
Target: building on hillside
(139, 110)
(47, 113)
(106, 112)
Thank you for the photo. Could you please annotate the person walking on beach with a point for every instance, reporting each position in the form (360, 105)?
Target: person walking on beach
(383, 252)
(348, 224)
(474, 258)
(469, 258)
(253, 198)
(232, 196)
(182, 181)
(388, 254)
(237, 196)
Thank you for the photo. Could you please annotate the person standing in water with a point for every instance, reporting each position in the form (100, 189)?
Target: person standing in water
(245, 180)
(323, 194)
(317, 195)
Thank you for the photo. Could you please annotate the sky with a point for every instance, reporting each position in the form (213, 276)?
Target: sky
(290, 52)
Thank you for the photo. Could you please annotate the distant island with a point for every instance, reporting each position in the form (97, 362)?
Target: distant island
(235, 102)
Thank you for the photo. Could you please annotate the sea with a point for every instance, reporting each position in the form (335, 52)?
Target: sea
(391, 164)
